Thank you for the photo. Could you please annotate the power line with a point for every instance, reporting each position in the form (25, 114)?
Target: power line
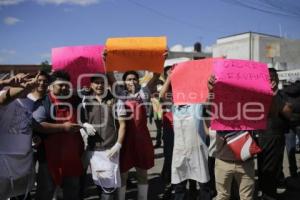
(284, 6)
(171, 18)
(271, 9)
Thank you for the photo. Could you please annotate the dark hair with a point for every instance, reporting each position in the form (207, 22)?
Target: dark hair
(44, 73)
(167, 68)
(130, 73)
(272, 70)
(60, 75)
(273, 74)
(96, 76)
(160, 82)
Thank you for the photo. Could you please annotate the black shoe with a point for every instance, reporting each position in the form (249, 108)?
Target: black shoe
(167, 194)
(213, 193)
(266, 197)
(282, 184)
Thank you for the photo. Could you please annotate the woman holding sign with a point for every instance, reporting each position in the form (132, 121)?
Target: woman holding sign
(137, 149)
(146, 53)
(190, 153)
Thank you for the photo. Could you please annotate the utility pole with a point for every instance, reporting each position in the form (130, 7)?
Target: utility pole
(250, 45)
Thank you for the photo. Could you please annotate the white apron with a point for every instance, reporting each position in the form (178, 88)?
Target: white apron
(15, 127)
(190, 153)
(16, 155)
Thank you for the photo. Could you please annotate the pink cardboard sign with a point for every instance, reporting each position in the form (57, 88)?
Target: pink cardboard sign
(78, 60)
(242, 95)
(189, 81)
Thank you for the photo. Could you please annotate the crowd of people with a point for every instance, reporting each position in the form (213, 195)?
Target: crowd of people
(104, 128)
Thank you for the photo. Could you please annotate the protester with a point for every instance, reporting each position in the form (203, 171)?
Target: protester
(63, 144)
(37, 93)
(211, 143)
(293, 95)
(137, 149)
(168, 134)
(272, 141)
(104, 145)
(16, 155)
(156, 114)
(16, 86)
(190, 152)
(228, 167)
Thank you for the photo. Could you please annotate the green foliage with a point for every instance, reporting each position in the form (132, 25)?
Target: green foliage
(45, 66)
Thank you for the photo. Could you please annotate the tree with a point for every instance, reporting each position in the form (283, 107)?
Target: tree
(45, 66)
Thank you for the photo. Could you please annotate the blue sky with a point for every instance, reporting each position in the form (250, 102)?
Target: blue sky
(30, 28)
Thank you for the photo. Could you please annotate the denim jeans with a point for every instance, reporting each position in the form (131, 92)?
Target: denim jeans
(290, 140)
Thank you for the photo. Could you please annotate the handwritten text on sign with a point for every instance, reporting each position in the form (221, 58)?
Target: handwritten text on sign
(243, 95)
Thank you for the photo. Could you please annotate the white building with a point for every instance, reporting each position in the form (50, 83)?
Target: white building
(278, 52)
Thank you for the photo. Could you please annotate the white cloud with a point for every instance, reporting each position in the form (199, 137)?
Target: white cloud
(207, 49)
(70, 2)
(188, 49)
(10, 2)
(177, 47)
(11, 20)
(181, 48)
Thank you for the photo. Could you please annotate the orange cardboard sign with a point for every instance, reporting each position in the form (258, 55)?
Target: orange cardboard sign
(136, 53)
